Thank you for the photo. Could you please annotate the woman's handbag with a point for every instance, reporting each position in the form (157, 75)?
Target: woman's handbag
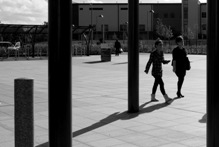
(188, 66)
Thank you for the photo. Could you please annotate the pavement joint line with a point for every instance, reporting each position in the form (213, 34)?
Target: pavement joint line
(3, 104)
(95, 100)
(186, 110)
(6, 105)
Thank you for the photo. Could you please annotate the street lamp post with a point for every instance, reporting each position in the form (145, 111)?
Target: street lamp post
(90, 42)
(100, 16)
(125, 26)
(151, 11)
(103, 33)
(91, 21)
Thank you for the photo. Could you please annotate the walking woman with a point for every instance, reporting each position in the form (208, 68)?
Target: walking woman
(179, 55)
(157, 58)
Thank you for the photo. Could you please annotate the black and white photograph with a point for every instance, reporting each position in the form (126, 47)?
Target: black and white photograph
(109, 73)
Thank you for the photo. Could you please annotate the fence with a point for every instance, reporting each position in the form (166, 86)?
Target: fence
(95, 49)
(78, 50)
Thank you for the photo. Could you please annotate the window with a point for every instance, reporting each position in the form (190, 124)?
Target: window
(172, 15)
(124, 8)
(204, 27)
(185, 28)
(165, 15)
(185, 2)
(95, 8)
(185, 9)
(141, 28)
(204, 15)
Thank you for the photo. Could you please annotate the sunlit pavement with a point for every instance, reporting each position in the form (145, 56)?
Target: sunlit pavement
(100, 104)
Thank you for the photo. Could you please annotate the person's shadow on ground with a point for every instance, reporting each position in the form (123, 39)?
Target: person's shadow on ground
(114, 117)
(120, 116)
(203, 119)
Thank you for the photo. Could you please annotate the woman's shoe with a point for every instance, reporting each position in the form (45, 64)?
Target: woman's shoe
(167, 99)
(153, 99)
(179, 95)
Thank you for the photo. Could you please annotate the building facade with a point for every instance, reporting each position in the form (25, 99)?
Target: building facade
(203, 21)
(111, 19)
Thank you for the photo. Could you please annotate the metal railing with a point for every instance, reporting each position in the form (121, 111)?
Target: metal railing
(78, 50)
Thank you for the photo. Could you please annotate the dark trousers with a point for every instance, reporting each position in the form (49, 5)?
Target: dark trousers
(117, 51)
(181, 77)
(158, 81)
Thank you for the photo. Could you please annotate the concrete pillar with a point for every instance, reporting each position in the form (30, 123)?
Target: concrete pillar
(133, 56)
(23, 97)
(60, 73)
(212, 74)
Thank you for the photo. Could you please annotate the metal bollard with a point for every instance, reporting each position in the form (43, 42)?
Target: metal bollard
(23, 93)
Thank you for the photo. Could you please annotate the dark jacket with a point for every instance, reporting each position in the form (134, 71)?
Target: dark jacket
(179, 56)
(117, 45)
(156, 59)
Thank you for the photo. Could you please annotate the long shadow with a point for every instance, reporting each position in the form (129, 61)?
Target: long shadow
(114, 117)
(120, 63)
(46, 144)
(120, 116)
(203, 119)
(94, 62)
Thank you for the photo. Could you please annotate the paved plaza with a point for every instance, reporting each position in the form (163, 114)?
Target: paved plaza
(100, 103)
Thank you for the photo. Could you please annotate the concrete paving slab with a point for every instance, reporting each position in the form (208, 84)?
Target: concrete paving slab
(99, 96)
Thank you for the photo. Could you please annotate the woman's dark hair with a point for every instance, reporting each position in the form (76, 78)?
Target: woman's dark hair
(179, 39)
(158, 41)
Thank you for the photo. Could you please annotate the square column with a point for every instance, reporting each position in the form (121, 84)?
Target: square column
(213, 74)
(133, 56)
(60, 73)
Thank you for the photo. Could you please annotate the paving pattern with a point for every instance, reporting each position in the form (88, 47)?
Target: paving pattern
(100, 104)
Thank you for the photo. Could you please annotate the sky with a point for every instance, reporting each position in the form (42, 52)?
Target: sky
(36, 11)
